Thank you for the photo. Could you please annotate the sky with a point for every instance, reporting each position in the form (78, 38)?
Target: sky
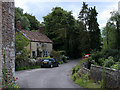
(41, 8)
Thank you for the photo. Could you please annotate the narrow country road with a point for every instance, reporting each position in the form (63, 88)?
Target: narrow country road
(57, 77)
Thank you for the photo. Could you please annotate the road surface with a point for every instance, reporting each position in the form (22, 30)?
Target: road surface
(57, 77)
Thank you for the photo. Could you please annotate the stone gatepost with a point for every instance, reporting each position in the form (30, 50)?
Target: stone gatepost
(7, 35)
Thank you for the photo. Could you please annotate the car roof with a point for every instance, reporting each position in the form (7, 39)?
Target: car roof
(87, 54)
(49, 59)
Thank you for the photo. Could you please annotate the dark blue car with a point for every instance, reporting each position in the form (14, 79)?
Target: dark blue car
(49, 62)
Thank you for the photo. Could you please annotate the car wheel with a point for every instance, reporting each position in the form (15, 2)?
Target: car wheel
(57, 65)
(51, 65)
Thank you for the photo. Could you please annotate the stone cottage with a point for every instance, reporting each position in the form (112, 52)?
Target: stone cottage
(40, 45)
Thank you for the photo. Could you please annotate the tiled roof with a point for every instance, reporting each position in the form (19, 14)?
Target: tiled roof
(36, 36)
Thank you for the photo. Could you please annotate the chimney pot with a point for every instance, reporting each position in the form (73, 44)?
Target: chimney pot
(19, 25)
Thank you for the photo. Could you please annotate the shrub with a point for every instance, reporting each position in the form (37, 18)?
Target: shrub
(111, 52)
(8, 80)
(75, 69)
(96, 56)
(109, 62)
(101, 61)
(56, 55)
(116, 66)
(64, 59)
(75, 76)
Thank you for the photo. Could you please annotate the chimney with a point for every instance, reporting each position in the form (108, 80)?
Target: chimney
(18, 25)
(41, 29)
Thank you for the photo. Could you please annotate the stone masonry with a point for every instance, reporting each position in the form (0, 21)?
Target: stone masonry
(112, 76)
(7, 35)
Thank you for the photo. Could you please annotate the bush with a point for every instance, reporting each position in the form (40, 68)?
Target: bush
(95, 56)
(75, 69)
(56, 55)
(111, 52)
(85, 82)
(8, 80)
(75, 76)
(64, 59)
(109, 62)
(101, 61)
(116, 66)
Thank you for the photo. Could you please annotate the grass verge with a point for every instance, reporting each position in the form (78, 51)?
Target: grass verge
(27, 68)
(81, 79)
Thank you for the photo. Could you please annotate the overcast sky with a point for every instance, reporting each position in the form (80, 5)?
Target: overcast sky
(40, 8)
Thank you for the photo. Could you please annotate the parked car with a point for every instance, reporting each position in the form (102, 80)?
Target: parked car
(50, 62)
(67, 57)
(87, 56)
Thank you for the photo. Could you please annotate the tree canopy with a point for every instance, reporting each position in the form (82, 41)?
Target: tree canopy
(28, 21)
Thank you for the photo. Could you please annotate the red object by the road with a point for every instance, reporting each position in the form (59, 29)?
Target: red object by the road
(87, 56)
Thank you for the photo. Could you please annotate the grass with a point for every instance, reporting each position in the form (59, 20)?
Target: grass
(84, 80)
(87, 84)
(27, 68)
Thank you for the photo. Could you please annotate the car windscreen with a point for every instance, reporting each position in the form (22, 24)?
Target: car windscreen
(86, 55)
(46, 60)
(52, 60)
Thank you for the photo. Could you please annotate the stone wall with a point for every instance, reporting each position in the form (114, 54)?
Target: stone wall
(0, 42)
(7, 35)
(112, 76)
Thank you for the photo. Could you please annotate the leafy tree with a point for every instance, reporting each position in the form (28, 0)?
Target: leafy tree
(60, 27)
(25, 24)
(89, 32)
(28, 22)
(83, 29)
(34, 23)
(21, 52)
(111, 32)
(94, 31)
(20, 16)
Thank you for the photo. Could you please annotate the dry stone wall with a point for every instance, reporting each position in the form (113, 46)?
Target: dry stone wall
(112, 76)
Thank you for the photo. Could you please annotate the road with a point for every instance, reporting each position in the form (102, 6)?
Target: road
(57, 77)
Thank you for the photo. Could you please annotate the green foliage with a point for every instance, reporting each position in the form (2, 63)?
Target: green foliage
(60, 28)
(89, 32)
(21, 53)
(83, 79)
(34, 23)
(8, 80)
(20, 16)
(27, 68)
(64, 59)
(60, 62)
(116, 66)
(28, 21)
(102, 82)
(94, 31)
(74, 76)
(112, 32)
(56, 55)
(25, 24)
(109, 62)
(75, 69)
(20, 43)
(85, 82)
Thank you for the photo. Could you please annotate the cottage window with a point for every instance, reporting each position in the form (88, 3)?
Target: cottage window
(37, 44)
(45, 53)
